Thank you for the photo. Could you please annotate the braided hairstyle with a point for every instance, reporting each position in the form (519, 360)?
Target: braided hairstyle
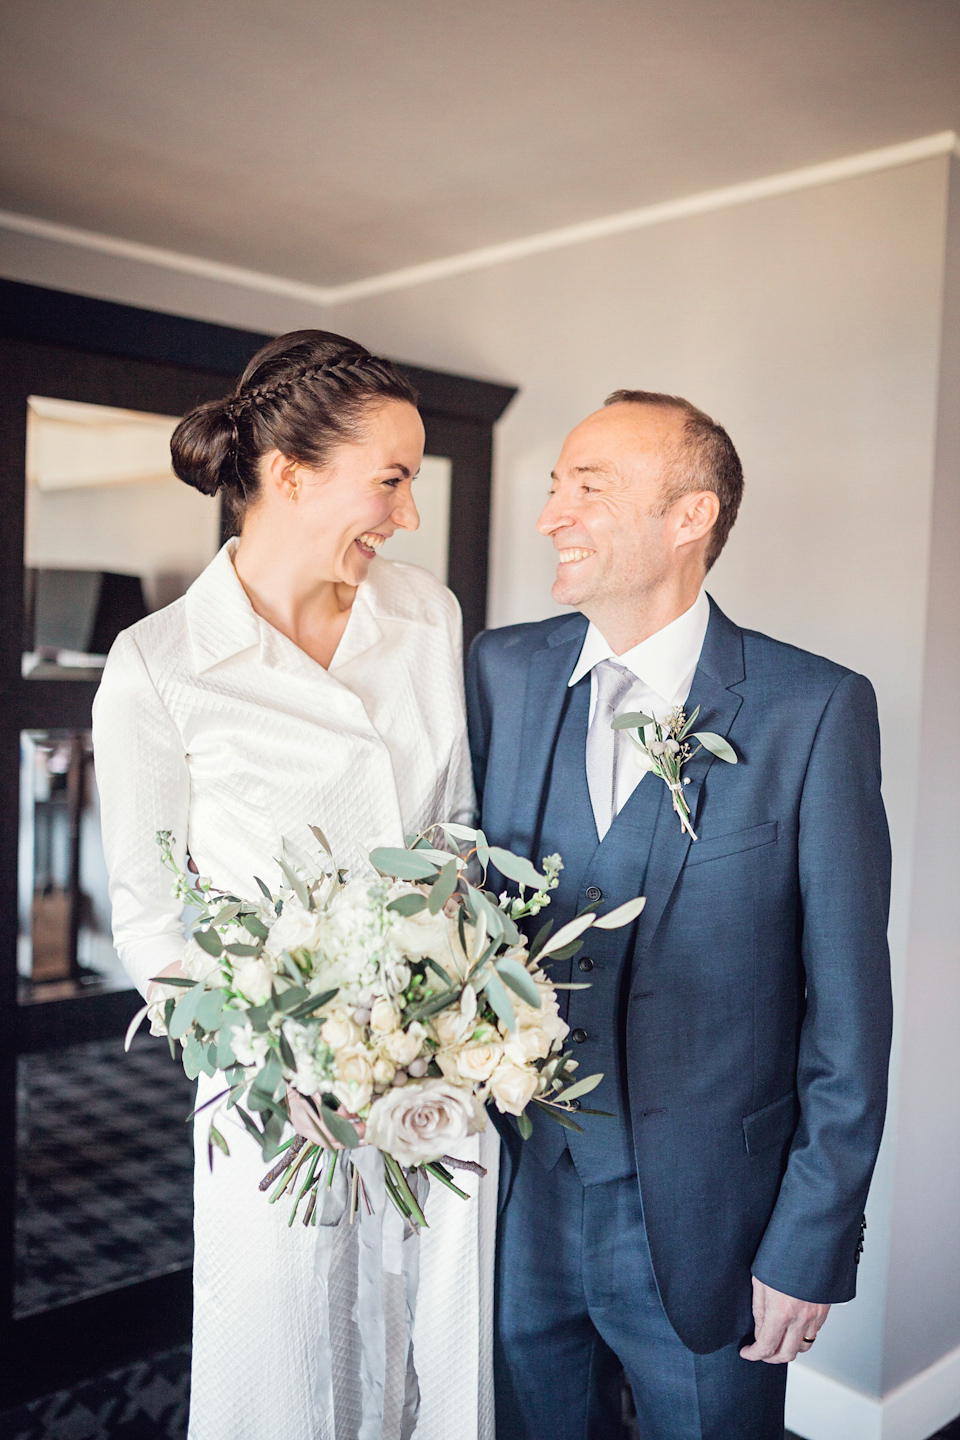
(302, 394)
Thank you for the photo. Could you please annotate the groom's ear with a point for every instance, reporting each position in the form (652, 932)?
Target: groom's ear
(692, 517)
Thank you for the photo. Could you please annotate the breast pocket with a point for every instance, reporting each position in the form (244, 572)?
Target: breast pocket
(717, 846)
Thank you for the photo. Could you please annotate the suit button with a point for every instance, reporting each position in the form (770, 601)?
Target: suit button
(573, 1104)
(594, 893)
(579, 1035)
(585, 963)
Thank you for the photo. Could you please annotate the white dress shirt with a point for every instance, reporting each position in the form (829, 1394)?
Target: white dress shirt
(212, 724)
(664, 665)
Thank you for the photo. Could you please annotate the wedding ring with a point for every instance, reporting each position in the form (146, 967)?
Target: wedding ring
(809, 1339)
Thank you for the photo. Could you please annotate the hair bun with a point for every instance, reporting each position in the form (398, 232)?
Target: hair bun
(202, 445)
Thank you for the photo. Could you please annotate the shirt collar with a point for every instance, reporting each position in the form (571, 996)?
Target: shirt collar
(664, 661)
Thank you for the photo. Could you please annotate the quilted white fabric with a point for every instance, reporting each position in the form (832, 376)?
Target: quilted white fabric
(213, 725)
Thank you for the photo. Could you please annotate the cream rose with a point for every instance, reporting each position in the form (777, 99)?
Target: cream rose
(383, 1070)
(478, 1061)
(353, 1083)
(425, 934)
(197, 963)
(450, 1026)
(404, 1045)
(512, 1087)
(296, 929)
(339, 1031)
(383, 1017)
(419, 1123)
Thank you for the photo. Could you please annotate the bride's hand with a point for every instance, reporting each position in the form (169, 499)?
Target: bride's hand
(175, 968)
(307, 1121)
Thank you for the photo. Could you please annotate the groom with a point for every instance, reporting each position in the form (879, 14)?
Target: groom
(697, 1238)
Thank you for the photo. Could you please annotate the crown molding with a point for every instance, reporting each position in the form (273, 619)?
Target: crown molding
(787, 182)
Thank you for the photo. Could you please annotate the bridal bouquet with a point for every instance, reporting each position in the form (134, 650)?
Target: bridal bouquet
(385, 1011)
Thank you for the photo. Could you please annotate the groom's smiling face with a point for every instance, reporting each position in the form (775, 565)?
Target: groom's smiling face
(604, 512)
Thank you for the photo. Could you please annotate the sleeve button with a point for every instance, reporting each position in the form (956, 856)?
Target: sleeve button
(594, 893)
(579, 1035)
(585, 963)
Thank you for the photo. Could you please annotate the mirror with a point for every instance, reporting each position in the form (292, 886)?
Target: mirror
(110, 532)
(63, 934)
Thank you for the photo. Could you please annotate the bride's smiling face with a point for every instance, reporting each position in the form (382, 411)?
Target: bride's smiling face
(341, 515)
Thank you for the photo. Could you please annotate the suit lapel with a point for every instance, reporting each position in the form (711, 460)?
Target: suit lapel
(720, 668)
(550, 669)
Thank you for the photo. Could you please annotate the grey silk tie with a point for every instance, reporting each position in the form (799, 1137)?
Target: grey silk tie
(603, 743)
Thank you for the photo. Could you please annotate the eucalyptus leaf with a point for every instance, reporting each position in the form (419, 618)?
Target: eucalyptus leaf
(320, 838)
(239, 950)
(632, 720)
(408, 904)
(339, 1128)
(255, 926)
(444, 886)
(292, 998)
(229, 912)
(193, 1057)
(134, 1026)
(177, 980)
(500, 1000)
(252, 1129)
(494, 915)
(263, 889)
(459, 832)
(295, 883)
(483, 849)
(403, 864)
(316, 1002)
(516, 867)
(218, 1140)
(717, 746)
(225, 1055)
(622, 915)
(689, 724)
(559, 1116)
(540, 939)
(185, 1012)
(209, 940)
(210, 1008)
(566, 952)
(569, 932)
(582, 1087)
(513, 974)
(525, 1125)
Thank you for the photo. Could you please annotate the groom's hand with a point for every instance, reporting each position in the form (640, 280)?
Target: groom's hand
(783, 1327)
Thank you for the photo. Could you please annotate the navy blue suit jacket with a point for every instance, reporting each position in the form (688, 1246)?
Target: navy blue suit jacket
(758, 1006)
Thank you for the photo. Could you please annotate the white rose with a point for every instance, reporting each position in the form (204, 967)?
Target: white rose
(512, 1087)
(339, 1031)
(384, 1017)
(353, 1085)
(530, 1040)
(420, 1122)
(404, 1045)
(296, 929)
(197, 964)
(383, 1070)
(253, 981)
(478, 1061)
(450, 1026)
(425, 934)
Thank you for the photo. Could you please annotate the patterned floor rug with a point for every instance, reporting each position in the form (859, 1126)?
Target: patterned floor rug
(104, 1174)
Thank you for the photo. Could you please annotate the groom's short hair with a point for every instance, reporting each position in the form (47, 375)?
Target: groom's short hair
(706, 460)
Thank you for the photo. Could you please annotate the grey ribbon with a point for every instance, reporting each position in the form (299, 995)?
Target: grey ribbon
(368, 1272)
(603, 747)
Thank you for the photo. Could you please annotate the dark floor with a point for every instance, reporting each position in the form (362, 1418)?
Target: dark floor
(148, 1401)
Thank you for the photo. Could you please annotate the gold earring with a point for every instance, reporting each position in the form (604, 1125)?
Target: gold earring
(293, 492)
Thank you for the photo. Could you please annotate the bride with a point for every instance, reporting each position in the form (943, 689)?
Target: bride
(301, 680)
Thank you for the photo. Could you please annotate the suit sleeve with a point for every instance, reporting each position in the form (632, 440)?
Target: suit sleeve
(809, 1249)
(478, 714)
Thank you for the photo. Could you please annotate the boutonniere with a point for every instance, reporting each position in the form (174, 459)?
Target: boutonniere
(670, 749)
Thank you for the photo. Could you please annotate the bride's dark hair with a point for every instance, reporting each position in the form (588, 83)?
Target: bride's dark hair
(301, 394)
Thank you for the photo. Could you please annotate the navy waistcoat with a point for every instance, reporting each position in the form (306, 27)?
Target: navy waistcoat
(616, 867)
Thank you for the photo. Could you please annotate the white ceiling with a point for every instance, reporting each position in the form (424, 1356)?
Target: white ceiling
(326, 142)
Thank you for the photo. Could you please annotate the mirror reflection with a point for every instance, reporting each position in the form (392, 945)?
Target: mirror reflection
(64, 910)
(110, 535)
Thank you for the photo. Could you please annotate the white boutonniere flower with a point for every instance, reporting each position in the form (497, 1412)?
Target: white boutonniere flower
(670, 749)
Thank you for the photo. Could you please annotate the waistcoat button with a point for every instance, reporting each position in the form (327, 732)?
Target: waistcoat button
(573, 1104)
(579, 1035)
(594, 893)
(585, 963)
